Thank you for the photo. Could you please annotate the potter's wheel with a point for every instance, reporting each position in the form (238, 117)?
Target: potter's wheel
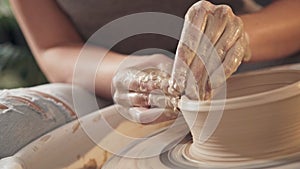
(259, 128)
(177, 157)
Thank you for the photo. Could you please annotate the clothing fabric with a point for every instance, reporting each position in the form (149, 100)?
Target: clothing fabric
(90, 15)
(28, 113)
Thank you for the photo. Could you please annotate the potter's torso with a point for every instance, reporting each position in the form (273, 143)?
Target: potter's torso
(90, 15)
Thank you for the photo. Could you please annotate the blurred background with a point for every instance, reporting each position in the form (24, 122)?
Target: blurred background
(17, 65)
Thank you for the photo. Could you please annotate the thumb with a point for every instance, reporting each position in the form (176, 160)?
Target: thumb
(153, 115)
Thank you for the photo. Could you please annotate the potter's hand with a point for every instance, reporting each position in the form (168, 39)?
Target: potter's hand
(213, 40)
(142, 89)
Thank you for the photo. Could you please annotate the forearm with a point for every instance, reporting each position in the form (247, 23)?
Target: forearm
(44, 24)
(60, 64)
(274, 31)
(56, 46)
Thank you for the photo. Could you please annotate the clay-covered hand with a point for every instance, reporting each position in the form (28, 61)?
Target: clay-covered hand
(142, 89)
(213, 44)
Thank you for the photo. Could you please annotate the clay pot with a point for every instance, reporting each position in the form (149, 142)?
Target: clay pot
(259, 123)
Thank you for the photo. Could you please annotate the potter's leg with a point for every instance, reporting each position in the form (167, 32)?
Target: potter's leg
(26, 114)
(70, 94)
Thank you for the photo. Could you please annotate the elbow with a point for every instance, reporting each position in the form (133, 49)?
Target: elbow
(54, 78)
(55, 67)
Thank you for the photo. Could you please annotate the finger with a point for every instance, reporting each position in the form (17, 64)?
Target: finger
(154, 115)
(154, 99)
(231, 34)
(232, 60)
(234, 57)
(132, 99)
(194, 26)
(233, 31)
(194, 88)
(145, 100)
(196, 22)
(126, 79)
(248, 54)
(216, 23)
(198, 64)
(152, 80)
(166, 68)
(141, 80)
(215, 28)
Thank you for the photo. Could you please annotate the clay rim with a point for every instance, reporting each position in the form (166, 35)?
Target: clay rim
(256, 99)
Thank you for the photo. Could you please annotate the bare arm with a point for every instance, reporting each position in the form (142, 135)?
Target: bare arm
(56, 44)
(274, 31)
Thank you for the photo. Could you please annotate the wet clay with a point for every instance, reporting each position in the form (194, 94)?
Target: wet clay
(261, 128)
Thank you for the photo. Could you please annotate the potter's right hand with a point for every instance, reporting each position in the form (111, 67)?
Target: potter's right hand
(212, 39)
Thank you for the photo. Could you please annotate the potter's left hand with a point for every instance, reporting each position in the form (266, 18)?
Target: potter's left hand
(141, 89)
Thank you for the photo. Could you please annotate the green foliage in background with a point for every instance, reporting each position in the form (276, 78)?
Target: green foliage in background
(17, 65)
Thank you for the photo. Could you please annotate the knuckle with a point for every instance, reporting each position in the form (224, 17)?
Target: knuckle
(225, 9)
(116, 79)
(239, 51)
(228, 69)
(221, 52)
(236, 51)
(190, 13)
(236, 27)
(116, 97)
(243, 40)
(238, 22)
(199, 4)
(196, 8)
